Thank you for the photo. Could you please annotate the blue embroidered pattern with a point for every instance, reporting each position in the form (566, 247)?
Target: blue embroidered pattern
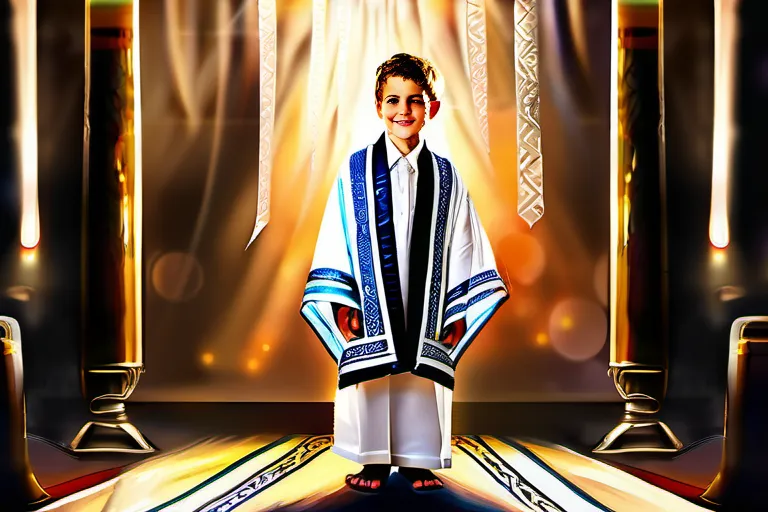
(367, 349)
(483, 277)
(458, 308)
(446, 185)
(480, 296)
(457, 292)
(432, 352)
(463, 289)
(374, 325)
(331, 274)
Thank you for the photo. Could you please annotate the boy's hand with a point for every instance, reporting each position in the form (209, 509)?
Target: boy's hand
(453, 333)
(348, 322)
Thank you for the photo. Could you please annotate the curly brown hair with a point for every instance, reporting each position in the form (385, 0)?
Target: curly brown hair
(409, 67)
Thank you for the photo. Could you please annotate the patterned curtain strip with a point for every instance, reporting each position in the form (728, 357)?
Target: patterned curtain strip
(316, 73)
(267, 65)
(530, 179)
(478, 63)
(342, 29)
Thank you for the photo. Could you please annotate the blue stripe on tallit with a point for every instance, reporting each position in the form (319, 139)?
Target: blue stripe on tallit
(443, 203)
(360, 351)
(482, 295)
(331, 291)
(483, 277)
(331, 274)
(431, 352)
(458, 308)
(457, 292)
(473, 282)
(374, 325)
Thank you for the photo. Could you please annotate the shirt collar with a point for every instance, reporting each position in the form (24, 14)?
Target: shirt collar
(393, 154)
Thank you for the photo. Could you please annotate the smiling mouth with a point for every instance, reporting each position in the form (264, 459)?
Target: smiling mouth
(404, 123)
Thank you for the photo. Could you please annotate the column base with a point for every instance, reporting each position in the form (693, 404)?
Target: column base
(640, 435)
(110, 437)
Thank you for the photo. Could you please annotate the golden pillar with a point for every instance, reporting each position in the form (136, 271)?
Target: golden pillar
(112, 358)
(639, 311)
(18, 486)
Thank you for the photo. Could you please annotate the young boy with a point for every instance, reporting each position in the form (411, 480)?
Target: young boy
(402, 280)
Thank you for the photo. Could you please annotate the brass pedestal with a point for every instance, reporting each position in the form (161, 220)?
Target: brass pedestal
(111, 385)
(639, 430)
(19, 489)
(740, 483)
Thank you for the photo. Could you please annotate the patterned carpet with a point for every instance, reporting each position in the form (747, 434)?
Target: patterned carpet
(300, 473)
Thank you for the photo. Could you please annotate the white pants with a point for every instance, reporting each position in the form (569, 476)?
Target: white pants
(402, 420)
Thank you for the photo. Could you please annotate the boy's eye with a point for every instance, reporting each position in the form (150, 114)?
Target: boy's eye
(392, 101)
(418, 101)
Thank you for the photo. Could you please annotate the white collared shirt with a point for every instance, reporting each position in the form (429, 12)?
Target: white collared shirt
(403, 179)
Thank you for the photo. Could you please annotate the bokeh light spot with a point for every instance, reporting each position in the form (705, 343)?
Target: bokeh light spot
(177, 276)
(207, 358)
(523, 256)
(728, 293)
(586, 332)
(542, 339)
(265, 347)
(20, 293)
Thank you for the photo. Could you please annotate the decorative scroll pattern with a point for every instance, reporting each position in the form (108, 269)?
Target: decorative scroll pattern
(504, 474)
(267, 67)
(530, 179)
(478, 60)
(278, 470)
(446, 186)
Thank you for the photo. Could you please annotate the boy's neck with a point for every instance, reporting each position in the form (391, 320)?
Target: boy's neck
(405, 146)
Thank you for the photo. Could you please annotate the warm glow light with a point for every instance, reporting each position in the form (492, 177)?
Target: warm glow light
(137, 176)
(725, 43)
(614, 162)
(542, 338)
(719, 256)
(207, 359)
(28, 255)
(25, 36)
(253, 365)
(566, 323)
(265, 347)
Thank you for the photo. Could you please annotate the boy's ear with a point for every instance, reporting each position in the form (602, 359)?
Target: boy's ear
(378, 109)
(434, 106)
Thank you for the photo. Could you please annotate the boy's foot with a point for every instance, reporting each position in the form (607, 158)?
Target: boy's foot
(421, 479)
(372, 478)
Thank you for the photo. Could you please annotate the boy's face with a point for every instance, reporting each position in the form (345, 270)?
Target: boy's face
(403, 107)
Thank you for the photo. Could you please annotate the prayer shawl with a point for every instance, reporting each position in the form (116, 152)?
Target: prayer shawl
(452, 271)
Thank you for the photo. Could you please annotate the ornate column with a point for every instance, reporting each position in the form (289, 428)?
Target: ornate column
(112, 356)
(639, 310)
(18, 486)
